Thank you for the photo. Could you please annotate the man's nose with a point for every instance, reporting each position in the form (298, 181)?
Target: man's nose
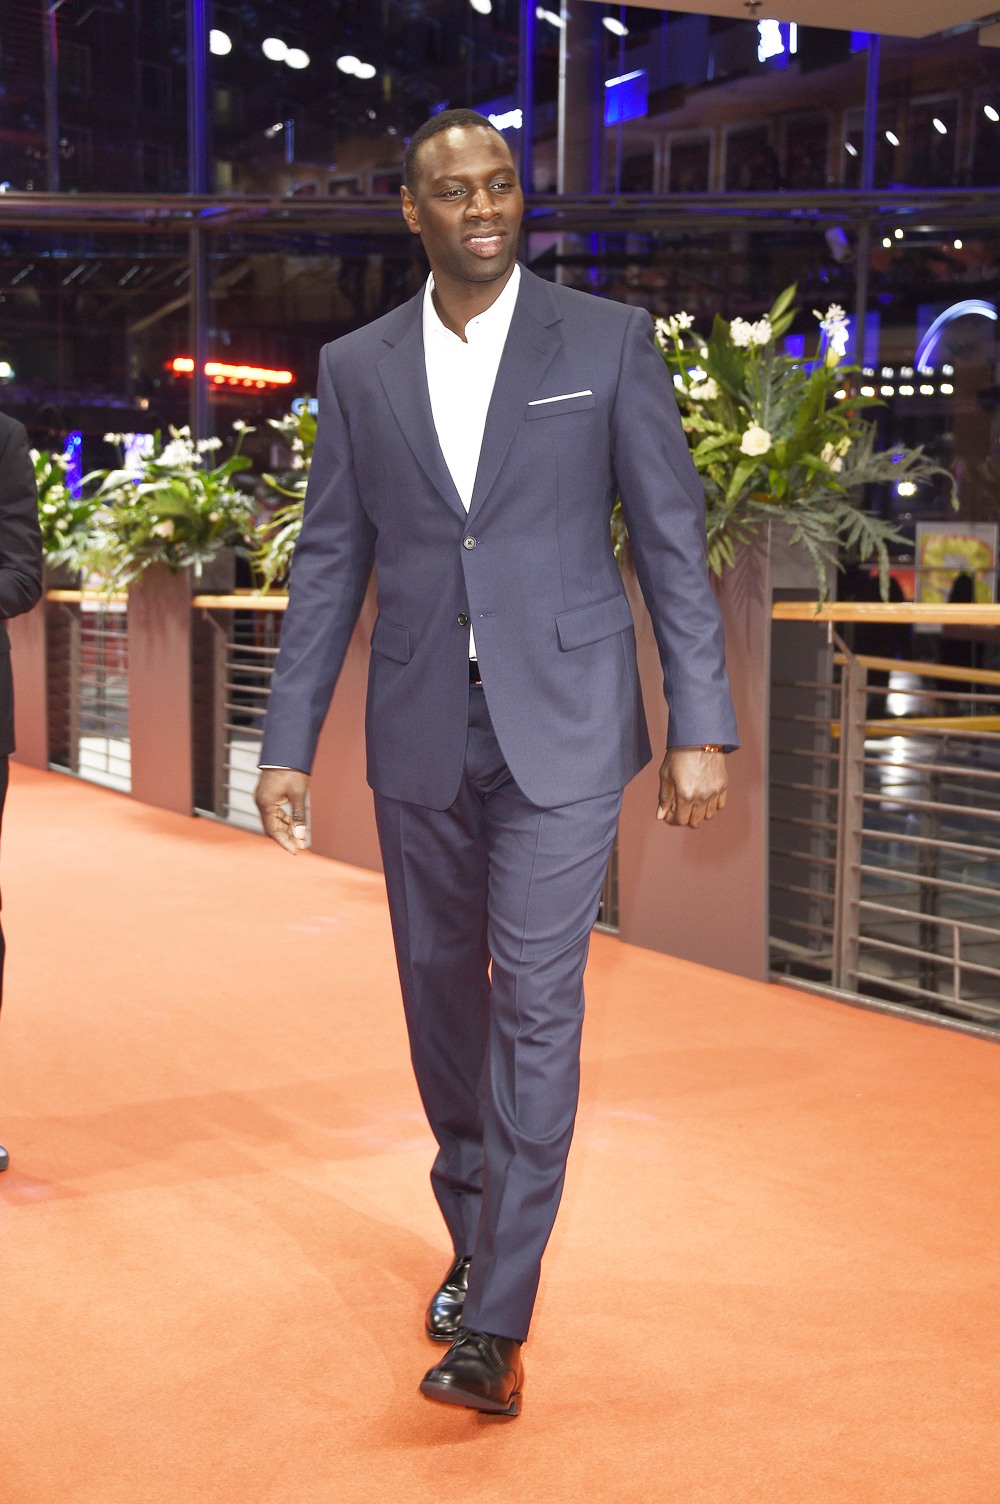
(482, 205)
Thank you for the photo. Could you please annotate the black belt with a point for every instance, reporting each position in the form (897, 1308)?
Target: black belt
(474, 677)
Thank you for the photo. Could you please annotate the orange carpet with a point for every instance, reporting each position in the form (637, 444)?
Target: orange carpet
(774, 1277)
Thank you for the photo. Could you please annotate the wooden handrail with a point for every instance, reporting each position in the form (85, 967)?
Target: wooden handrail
(892, 612)
(928, 670)
(84, 597)
(240, 602)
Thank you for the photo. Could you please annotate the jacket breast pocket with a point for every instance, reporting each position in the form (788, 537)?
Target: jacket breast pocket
(560, 404)
(391, 641)
(591, 623)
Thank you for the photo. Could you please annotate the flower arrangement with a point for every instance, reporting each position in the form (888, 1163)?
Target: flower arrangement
(64, 518)
(278, 537)
(778, 437)
(170, 507)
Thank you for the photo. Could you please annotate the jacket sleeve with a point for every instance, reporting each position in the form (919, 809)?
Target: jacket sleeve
(331, 567)
(20, 535)
(664, 507)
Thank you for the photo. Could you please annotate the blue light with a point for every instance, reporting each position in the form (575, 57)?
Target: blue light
(73, 455)
(956, 311)
(860, 40)
(795, 346)
(626, 97)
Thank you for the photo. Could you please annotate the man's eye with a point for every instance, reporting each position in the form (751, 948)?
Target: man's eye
(502, 185)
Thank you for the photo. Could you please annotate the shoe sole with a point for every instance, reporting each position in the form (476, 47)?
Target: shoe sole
(447, 1394)
(438, 1337)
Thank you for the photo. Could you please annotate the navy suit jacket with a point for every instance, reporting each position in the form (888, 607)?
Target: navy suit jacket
(531, 565)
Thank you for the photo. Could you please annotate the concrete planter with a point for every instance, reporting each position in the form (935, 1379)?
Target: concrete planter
(703, 894)
(159, 674)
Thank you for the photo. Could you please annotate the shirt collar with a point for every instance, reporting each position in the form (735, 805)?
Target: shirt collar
(495, 319)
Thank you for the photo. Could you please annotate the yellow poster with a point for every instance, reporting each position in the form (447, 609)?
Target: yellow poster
(956, 560)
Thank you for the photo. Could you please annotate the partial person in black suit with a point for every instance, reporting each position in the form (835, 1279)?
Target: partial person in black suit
(20, 586)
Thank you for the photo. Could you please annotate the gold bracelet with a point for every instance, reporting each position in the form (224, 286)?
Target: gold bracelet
(713, 749)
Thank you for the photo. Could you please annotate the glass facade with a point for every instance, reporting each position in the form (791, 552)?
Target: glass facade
(676, 160)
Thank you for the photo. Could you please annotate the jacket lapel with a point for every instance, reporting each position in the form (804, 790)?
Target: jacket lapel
(404, 379)
(532, 342)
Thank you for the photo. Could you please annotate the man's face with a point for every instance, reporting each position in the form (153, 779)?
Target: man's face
(468, 204)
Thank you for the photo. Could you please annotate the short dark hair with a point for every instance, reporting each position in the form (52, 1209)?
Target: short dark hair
(431, 127)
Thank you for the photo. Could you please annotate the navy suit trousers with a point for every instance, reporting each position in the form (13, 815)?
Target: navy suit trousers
(492, 903)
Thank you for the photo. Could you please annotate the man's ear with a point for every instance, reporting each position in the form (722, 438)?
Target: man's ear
(409, 206)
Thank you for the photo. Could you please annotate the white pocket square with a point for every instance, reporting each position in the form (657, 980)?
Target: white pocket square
(541, 401)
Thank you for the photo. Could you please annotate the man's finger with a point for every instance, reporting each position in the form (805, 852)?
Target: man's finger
(278, 827)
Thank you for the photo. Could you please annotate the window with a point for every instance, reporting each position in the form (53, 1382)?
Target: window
(806, 146)
(74, 68)
(751, 164)
(690, 164)
(932, 142)
(154, 168)
(154, 89)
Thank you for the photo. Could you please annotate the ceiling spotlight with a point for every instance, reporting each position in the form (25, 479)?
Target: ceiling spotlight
(273, 130)
(892, 138)
(551, 17)
(990, 112)
(365, 70)
(615, 27)
(939, 126)
(274, 49)
(296, 58)
(851, 151)
(957, 244)
(481, 7)
(898, 234)
(886, 242)
(348, 63)
(219, 43)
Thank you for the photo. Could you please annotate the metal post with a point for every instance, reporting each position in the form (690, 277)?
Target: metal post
(50, 62)
(561, 106)
(197, 89)
(867, 184)
(526, 88)
(850, 821)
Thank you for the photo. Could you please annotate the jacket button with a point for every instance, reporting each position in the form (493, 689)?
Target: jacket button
(468, 542)
(463, 620)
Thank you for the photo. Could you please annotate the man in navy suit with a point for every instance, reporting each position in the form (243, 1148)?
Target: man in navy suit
(471, 445)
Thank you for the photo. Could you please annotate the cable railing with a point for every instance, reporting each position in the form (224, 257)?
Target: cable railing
(87, 688)
(885, 839)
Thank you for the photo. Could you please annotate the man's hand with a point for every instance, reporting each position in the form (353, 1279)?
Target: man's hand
(693, 786)
(277, 787)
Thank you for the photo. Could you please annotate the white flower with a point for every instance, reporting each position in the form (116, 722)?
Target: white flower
(679, 382)
(206, 444)
(180, 433)
(114, 438)
(178, 452)
(835, 326)
(707, 391)
(298, 463)
(213, 516)
(164, 529)
(755, 441)
(670, 328)
(747, 335)
(831, 454)
(240, 427)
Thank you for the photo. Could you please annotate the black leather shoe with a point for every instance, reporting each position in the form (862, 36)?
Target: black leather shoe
(444, 1314)
(4, 1158)
(479, 1371)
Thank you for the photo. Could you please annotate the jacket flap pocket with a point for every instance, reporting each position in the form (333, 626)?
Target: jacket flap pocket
(391, 641)
(559, 403)
(591, 623)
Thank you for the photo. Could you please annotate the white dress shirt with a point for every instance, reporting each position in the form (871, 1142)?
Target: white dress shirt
(461, 375)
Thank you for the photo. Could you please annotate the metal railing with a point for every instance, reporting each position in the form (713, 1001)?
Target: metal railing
(885, 841)
(234, 654)
(87, 690)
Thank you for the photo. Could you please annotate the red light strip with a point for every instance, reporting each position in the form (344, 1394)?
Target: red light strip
(183, 365)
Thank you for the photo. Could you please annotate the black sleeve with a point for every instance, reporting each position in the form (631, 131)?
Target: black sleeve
(20, 535)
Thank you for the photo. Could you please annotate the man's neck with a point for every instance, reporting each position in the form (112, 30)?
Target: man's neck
(457, 302)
